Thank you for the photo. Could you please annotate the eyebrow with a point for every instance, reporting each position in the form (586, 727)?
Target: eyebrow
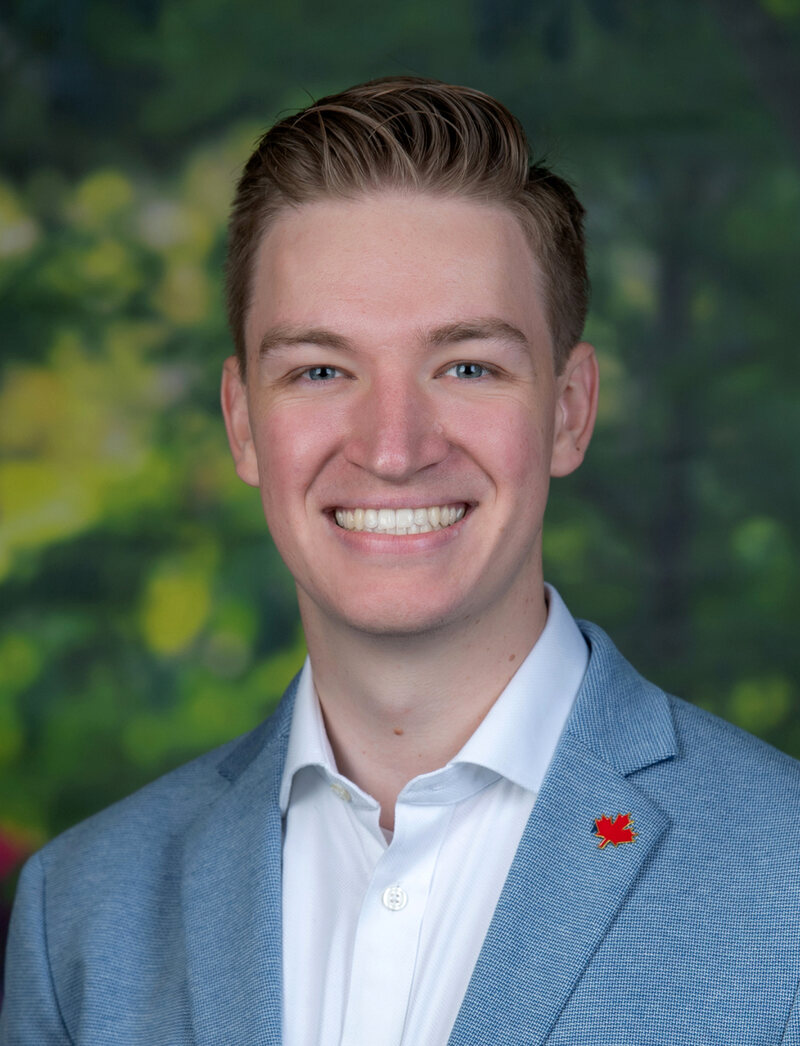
(476, 330)
(482, 329)
(286, 335)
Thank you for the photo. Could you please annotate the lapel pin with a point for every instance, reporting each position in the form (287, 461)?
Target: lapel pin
(614, 830)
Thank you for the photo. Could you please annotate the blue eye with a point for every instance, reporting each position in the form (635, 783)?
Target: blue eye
(321, 373)
(469, 370)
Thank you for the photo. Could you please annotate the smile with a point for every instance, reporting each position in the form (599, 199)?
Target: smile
(400, 520)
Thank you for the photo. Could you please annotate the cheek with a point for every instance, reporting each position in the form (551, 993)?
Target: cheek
(512, 446)
(278, 467)
(293, 442)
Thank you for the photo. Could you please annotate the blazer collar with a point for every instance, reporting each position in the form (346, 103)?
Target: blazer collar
(563, 891)
(231, 895)
(618, 715)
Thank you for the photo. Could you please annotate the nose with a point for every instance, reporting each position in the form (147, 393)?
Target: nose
(395, 431)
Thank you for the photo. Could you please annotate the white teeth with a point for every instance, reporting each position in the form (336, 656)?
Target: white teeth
(401, 520)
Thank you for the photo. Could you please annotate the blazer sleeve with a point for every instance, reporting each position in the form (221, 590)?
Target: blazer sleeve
(30, 1014)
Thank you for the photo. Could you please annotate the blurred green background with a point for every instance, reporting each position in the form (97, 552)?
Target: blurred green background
(145, 613)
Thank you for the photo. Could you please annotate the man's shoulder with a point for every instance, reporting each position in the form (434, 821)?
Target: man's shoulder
(156, 817)
(716, 742)
(745, 784)
(676, 744)
(113, 900)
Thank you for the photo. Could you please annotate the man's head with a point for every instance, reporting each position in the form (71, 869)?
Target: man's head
(413, 374)
(409, 133)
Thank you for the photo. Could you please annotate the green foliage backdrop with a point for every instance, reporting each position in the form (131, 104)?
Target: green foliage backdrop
(145, 614)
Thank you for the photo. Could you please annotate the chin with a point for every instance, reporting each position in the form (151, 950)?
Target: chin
(399, 629)
(384, 620)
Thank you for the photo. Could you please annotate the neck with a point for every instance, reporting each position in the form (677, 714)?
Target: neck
(397, 706)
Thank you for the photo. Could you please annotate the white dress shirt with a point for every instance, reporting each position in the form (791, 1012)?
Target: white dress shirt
(380, 937)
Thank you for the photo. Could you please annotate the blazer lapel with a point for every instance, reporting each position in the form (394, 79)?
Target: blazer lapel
(563, 890)
(231, 896)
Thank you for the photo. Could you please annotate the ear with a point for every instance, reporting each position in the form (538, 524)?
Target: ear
(576, 409)
(236, 412)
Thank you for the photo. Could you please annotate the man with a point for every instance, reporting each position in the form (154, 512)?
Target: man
(469, 821)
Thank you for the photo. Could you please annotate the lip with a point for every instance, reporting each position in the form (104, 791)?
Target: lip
(400, 502)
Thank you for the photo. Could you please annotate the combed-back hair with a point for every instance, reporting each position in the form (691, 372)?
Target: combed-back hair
(411, 133)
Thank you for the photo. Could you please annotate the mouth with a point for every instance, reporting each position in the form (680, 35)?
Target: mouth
(400, 520)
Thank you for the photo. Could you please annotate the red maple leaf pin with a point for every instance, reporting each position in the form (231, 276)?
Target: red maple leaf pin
(614, 830)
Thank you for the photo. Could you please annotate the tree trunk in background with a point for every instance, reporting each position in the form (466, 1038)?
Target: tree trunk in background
(771, 56)
(672, 424)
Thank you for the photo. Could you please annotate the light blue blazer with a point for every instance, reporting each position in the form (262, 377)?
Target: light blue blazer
(158, 922)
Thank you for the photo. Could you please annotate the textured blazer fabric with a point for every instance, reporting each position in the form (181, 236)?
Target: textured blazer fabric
(654, 898)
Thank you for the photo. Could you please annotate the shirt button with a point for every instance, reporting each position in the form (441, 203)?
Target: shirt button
(341, 791)
(394, 898)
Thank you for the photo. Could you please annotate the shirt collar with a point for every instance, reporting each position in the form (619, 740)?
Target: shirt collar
(518, 736)
(308, 739)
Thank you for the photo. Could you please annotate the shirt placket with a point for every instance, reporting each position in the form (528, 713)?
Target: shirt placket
(389, 926)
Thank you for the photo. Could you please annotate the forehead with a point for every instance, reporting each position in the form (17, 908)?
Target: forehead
(381, 265)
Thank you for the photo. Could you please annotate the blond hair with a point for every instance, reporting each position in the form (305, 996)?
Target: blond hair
(419, 134)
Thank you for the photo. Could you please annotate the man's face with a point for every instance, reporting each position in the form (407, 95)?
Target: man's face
(401, 413)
